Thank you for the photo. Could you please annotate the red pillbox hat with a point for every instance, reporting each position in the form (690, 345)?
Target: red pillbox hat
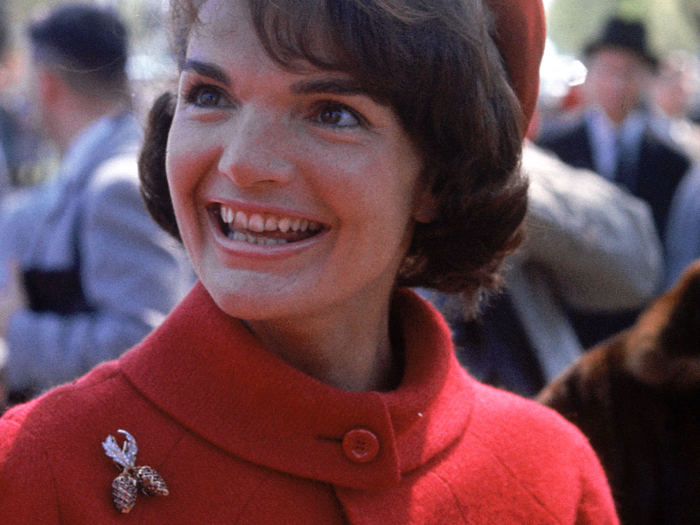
(520, 36)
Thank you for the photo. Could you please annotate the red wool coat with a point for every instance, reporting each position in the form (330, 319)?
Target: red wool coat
(240, 437)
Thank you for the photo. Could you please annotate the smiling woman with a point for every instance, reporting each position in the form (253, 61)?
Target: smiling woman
(318, 157)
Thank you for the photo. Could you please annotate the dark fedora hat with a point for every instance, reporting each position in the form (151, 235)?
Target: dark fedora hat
(621, 34)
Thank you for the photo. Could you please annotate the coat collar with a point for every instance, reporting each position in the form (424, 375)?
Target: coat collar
(216, 379)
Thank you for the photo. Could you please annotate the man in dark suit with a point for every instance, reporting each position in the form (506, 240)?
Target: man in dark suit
(613, 138)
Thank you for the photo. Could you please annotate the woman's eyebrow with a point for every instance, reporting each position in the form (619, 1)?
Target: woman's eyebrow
(205, 69)
(334, 86)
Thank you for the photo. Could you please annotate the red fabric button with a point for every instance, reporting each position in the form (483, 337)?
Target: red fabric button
(360, 445)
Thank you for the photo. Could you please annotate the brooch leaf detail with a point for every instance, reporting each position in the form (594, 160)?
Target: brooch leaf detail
(126, 485)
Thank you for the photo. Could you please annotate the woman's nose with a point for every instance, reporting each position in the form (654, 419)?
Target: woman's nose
(258, 150)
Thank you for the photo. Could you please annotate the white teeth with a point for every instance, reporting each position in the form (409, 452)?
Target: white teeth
(259, 223)
(284, 225)
(226, 214)
(256, 223)
(241, 221)
(271, 224)
(261, 241)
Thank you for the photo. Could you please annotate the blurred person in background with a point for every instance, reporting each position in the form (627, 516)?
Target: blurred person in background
(672, 93)
(91, 273)
(26, 156)
(613, 138)
(683, 233)
(6, 182)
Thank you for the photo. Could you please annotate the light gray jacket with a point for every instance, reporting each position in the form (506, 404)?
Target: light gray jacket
(683, 230)
(591, 246)
(132, 273)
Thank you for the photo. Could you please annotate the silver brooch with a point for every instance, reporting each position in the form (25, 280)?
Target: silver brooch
(126, 485)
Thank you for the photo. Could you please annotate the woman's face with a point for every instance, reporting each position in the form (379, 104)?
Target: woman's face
(294, 193)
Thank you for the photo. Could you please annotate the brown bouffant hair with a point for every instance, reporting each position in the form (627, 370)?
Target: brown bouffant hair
(435, 63)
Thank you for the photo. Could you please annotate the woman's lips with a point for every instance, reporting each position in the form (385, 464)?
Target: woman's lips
(263, 229)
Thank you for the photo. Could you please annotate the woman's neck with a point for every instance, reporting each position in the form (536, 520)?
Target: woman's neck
(350, 350)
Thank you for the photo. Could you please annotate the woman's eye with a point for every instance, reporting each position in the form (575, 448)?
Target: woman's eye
(338, 116)
(206, 97)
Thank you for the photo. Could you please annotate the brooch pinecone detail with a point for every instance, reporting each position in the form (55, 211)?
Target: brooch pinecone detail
(126, 485)
(151, 482)
(124, 492)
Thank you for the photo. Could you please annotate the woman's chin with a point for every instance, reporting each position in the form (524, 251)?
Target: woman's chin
(254, 296)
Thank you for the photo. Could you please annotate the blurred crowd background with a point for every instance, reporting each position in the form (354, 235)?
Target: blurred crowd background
(671, 25)
(150, 68)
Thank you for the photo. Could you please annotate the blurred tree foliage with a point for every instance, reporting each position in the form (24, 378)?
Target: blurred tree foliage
(671, 24)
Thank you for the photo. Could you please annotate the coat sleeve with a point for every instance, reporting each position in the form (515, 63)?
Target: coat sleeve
(596, 241)
(132, 275)
(27, 488)
(683, 228)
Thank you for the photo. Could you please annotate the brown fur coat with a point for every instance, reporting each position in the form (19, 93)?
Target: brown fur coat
(637, 398)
